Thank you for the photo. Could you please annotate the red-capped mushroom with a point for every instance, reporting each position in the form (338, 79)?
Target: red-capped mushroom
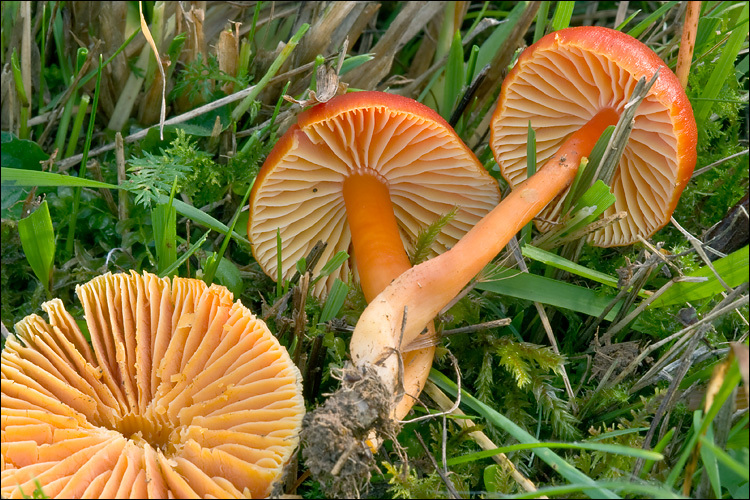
(366, 172)
(658, 161)
(578, 80)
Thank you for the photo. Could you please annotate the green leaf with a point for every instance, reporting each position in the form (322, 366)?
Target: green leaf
(529, 286)
(558, 262)
(164, 223)
(710, 463)
(530, 170)
(279, 266)
(498, 37)
(335, 300)
(562, 15)
(301, 265)
(627, 20)
(18, 177)
(491, 473)
(541, 21)
(185, 256)
(587, 209)
(733, 269)
(352, 62)
(332, 265)
(21, 153)
(574, 490)
(454, 76)
(228, 275)
(38, 242)
(725, 459)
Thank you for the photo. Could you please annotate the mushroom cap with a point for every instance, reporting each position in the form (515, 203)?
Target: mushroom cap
(426, 166)
(182, 393)
(562, 81)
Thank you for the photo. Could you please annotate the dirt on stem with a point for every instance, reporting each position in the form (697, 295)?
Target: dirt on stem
(335, 435)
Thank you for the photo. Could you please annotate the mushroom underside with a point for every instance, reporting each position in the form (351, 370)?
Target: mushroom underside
(183, 392)
(427, 174)
(646, 179)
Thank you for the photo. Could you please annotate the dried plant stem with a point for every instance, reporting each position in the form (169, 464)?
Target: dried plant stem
(701, 170)
(446, 480)
(157, 57)
(68, 94)
(614, 329)
(729, 303)
(73, 160)
(669, 397)
(446, 411)
(480, 437)
(698, 245)
(687, 43)
(26, 49)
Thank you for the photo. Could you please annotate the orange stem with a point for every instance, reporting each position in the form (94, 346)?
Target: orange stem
(426, 288)
(378, 249)
(381, 258)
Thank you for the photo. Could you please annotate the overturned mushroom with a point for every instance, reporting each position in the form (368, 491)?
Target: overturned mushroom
(183, 392)
(410, 302)
(366, 172)
(667, 126)
(573, 83)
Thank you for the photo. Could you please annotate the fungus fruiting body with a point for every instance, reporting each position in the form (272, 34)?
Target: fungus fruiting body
(183, 392)
(570, 76)
(589, 74)
(366, 172)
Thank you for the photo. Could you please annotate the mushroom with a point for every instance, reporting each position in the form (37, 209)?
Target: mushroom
(183, 392)
(579, 79)
(366, 172)
(599, 67)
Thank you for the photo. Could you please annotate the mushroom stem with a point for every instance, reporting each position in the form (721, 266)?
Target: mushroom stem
(426, 288)
(378, 248)
(381, 258)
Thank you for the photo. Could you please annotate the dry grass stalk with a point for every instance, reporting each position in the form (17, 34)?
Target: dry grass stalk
(490, 87)
(687, 43)
(480, 437)
(228, 53)
(409, 21)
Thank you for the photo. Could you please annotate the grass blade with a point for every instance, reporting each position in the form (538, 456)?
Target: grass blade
(20, 177)
(82, 171)
(185, 256)
(648, 21)
(554, 460)
(335, 300)
(38, 242)
(723, 68)
(733, 269)
(605, 448)
(562, 15)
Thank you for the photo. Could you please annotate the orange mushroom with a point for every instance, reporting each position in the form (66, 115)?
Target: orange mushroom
(599, 67)
(580, 79)
(183, 393)
(366, 172)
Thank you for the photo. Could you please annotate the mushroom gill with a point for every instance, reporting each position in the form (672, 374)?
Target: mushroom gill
(182, 392)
